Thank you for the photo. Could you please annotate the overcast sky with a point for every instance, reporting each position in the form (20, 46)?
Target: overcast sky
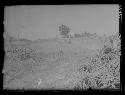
(44, 21)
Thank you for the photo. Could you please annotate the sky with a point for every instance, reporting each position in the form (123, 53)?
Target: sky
(43, 21)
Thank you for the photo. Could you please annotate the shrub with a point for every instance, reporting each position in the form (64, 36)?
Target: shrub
(20, 53)
(81, 85)
(77, 35)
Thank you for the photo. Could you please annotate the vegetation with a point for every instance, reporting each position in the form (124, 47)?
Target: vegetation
(64, 31)
(103, 68)
(77, 35)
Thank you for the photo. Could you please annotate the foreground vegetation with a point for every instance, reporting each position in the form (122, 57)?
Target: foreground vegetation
(101, 70)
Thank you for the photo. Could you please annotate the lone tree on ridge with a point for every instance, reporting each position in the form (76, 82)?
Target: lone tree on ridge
(64, 31)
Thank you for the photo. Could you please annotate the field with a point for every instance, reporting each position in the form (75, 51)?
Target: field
(53, 63)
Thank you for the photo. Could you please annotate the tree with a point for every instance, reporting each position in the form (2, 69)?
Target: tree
(64, 30)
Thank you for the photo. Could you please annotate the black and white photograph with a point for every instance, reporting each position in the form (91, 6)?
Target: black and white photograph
(62, 47)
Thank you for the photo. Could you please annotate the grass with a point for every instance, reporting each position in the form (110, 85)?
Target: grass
(78, 51)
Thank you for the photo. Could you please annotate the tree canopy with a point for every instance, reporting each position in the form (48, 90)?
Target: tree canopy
(64, 30)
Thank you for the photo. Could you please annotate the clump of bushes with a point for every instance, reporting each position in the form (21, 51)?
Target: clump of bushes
(105, 65)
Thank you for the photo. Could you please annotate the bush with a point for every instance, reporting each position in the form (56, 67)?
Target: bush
(19, 62)
(77, 35)
(20, 53)
(105, 65)
(81, 84)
